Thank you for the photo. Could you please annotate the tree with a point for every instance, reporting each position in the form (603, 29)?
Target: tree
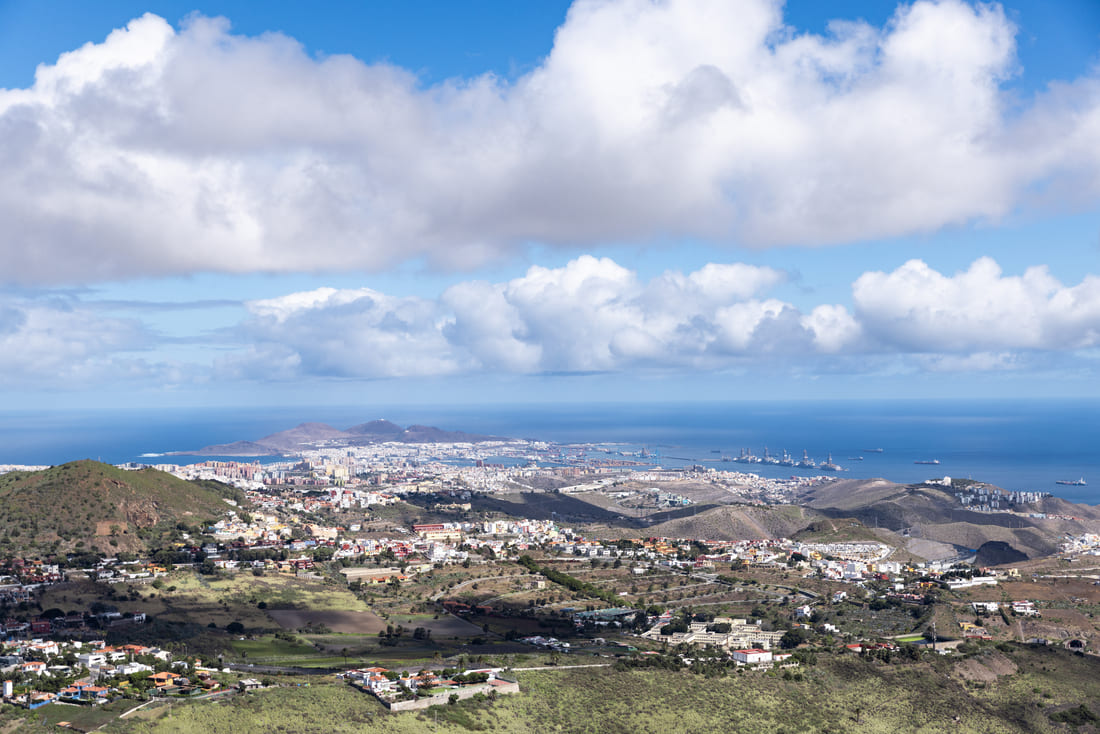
(792, 638)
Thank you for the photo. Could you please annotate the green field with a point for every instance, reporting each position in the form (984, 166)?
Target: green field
(838, 695)
(188, 596)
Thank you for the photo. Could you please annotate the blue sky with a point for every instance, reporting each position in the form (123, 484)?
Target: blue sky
(229, 203)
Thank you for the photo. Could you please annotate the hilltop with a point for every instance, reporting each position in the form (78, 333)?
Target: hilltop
(91, 506)
(307, 435)
(923, 512)
(736, 522)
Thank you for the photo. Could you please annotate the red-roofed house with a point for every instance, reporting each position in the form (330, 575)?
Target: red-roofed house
(752, 656)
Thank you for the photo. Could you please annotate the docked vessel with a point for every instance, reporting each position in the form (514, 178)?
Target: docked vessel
(747, 457)
(1073, 483)
(829, 465)
(807, 462)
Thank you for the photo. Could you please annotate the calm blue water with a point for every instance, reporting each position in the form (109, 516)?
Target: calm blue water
(1015, 445)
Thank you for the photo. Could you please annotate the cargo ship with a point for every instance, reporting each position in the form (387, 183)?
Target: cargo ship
(1073, 482)
(930, 461)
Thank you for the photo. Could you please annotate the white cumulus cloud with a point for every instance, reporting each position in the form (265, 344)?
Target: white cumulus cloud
(916, 308)
(59, 342)
(591, 315)
(342, 333)
(166, 150)
(594, 315)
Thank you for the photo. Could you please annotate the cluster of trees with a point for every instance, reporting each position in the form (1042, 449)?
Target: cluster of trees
(1075, 717)
(391, 635)
(572, 583)
(905, 653)
(960, 571)
(664, 661)
(677, 625)
(261, 554)
(469, 678)
(682, 622)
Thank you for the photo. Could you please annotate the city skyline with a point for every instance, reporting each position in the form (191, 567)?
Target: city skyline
(622, 200)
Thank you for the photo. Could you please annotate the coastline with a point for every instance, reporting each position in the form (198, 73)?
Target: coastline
(1027, 446)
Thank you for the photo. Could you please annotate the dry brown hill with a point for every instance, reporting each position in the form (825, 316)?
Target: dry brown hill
(738, 522)
(933, 513)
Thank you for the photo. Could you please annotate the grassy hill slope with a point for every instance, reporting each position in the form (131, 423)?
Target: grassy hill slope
(87, 505)
(1024, 690)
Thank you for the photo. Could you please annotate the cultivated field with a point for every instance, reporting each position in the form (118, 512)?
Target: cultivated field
(345, 622)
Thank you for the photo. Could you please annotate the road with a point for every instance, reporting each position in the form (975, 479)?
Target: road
(245, 668)
(563, 667)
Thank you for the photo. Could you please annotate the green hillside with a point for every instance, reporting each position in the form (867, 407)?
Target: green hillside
(90, 506)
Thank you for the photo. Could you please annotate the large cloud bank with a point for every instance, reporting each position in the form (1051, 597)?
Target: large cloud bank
(163, 150)
(593, 315)
(62, 342)
(590, 315)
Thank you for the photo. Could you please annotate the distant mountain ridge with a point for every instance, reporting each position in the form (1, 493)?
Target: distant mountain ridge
(309, 435)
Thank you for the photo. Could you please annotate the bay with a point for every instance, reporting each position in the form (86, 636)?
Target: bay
(1019, 445)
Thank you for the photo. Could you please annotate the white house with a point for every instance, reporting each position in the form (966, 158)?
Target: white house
(985, 606)
(752, 656)
(92, 659)
(131, 668)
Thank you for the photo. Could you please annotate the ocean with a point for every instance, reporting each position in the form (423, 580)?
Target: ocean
(1018, 445)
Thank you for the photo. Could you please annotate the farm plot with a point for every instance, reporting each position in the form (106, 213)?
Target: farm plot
(345, 622)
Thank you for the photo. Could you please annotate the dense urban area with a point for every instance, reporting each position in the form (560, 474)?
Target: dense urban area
(435, 577)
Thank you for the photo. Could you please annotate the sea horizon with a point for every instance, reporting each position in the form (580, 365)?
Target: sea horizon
(1017, 445)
